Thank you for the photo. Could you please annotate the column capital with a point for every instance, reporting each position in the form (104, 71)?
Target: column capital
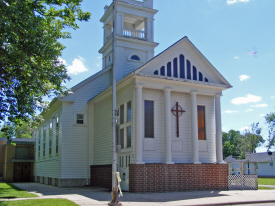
(167, 89)
(218, 95)
(138, 85)
(194, 92)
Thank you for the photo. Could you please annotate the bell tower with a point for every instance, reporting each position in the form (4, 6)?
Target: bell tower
(134, 33)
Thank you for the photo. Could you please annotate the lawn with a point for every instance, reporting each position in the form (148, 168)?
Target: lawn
(266, 181)
(265, 188)
(38, 202)
(11, 191)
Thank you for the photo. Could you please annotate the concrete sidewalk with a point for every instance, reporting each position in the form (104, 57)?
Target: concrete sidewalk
(98, 196)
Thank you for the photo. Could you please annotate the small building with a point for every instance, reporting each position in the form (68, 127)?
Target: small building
(18, 161)
(265, 163)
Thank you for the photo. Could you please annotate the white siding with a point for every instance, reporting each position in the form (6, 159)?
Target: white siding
(264, 169)
(75, 143)
(103, 132)
(181, 146)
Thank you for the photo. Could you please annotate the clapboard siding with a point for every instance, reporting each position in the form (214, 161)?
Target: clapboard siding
(103, 132)
(48, 165)
(264, 169)
(129, 65)
(75, 142)
(183, 155)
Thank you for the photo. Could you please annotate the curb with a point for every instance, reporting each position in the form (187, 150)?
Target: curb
(236, 203)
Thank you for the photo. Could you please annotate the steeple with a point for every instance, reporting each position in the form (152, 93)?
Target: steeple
(134, 32)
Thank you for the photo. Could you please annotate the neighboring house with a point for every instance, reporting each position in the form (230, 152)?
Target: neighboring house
(265, 163)
(74, 143)
(17, 161)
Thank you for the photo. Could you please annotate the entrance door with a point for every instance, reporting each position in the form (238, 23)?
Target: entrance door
(123, 168)
(21, 172)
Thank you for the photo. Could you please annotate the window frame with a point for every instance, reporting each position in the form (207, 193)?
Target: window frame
(205, 136)
(153, 118)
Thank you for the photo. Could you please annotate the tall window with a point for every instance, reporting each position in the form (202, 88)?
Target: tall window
(50, 137)
(182, 73)
(169, 73)
(188, 69)
(56, 135)
(175, 64)
(39, 142)
(149, 119)
(129, 137)
(129, 114)
(121, 115)
(122, 138)
(201, 123)
(44, 141)
(194, 73)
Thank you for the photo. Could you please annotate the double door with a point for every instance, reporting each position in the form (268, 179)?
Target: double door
(22, 172)
(124, 161)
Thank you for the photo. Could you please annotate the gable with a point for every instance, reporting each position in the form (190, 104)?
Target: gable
(183, 61)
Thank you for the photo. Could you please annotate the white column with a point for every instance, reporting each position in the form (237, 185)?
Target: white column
(139, 124)
(167, 126)
(194, 128)
(219, 152)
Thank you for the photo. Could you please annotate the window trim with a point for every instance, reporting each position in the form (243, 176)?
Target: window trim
(84, 119)
(154, 132)
(132, 60)
(205, 136)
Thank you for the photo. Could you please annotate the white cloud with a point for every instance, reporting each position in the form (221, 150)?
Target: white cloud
(259, 105)
(246, 99)
(236, 57)
(77, 66)
(248, 110)
(235, 1)
(244, 128)
(244, 77)
(229, 111)
(262, 115)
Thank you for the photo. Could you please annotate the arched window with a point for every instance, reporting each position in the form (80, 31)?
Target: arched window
(162, 71)
(135, 57)
(169, 69)
(182, 74)
(175, 66)
(205, 79)
(200, 77)
(188, 69)
(194, 73)
(156, 72)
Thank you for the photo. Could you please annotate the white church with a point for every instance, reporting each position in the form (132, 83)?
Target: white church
(169, 115)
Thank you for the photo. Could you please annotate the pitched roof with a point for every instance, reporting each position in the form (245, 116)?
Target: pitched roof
(261, 157)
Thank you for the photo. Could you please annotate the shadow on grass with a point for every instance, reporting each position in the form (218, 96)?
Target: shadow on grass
(9, 191)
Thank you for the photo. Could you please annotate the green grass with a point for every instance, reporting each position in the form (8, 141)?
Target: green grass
(11, 191)
(38, 202)
(265, 188)
(266, 181)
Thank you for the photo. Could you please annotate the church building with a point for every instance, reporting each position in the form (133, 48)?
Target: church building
(169, 115)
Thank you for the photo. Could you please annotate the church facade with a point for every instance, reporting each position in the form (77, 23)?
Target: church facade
(169, 125)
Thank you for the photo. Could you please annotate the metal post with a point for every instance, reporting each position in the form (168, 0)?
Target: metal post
(114, 200)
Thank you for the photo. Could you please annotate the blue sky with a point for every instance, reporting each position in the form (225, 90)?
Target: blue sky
(236, 36)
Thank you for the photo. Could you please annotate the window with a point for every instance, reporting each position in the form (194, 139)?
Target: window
(188, 69)
(201, 123)
(50, 137)
(156, 72)
(200, 77)
(79, 119)
(121, 115)
(135, 57)
(169, 69)
(162, 71)
(129, 136)
(271, 164)
(122, 138)
(175, 64)
(57, 122)
(56, 135)
(205, 79)
(44, 141)
(39, 142)
(129, 114)
(194, 73)
(182, 73)
(149, 119)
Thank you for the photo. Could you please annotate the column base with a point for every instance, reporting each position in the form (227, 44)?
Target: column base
(196, 163)
(140, 163)
(221, 162)
(169, 162)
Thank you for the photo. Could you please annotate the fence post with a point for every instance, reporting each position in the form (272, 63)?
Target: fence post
(255, 168)
(242, 168)
(229, 168)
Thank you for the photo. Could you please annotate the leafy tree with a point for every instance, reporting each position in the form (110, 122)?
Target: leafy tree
(270, 120)
(252, 139)
(22, 130)
(231, 143)
(7, 130)
(30, 67)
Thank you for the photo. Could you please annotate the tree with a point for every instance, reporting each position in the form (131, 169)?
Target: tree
(30, 67)
(7, 130)
(252, 139)
(22, 130)
(231, 143)
(270, 120)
